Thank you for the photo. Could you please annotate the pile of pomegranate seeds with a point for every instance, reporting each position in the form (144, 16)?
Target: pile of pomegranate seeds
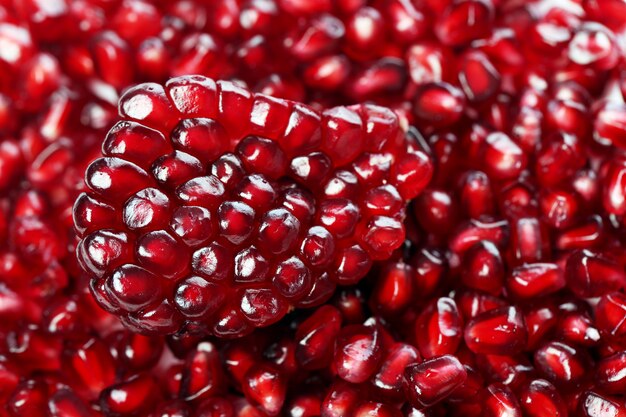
(336, 208)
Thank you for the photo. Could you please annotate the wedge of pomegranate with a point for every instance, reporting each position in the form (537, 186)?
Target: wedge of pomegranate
(215, 210)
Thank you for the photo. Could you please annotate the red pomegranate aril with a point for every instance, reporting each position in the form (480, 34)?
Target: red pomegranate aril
(609, 316)
(28, 399)
(202, 373)
(439, 104)
(390, 375)
(92, 365)
(529, 240)
(383, 77)
(503, 158)
(463, 22)
(499, 331)
(613, 195)
(610, 375)
(541, 399)
(262, 307)
(470, 389)
(558, 159)
(433, 380)
(562, 363)
(136, 20)
(436, 211)
(341, 399)
(112, 56)
(394, 290)
(131, 396)
(594, 45)
(500, 401)
(196, 297)
(476, 194)
(558, 208)
(327, 73)
(426, 63)
(438, 328)
(590, 274)
(610, 124)
(65, 403)
(351, 264)
(478, 77)
(512, 371)
(407, 22)
(468, 234)
(357, 353)
(530, 281)
(540, 321)
(266, 387)
(365, 31)
(351, 304)
(315, 338)
(578, 329)
(320, 35)
(483, 268)
(305, 405)
(592, 404)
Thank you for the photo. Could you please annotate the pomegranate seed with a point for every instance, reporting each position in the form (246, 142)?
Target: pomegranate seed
(561, 362)
(433, 380)
(500, 401)
(483, 268)
(131, 396)
(596, 405)
(541, 399)
(610, 373)
(438, 328)
(389, 378)
(498, 332)
(590, 274)
(342, 398)
(535, 280)
(439, 104)
(609, 316)
(357, 353)
(463, 22)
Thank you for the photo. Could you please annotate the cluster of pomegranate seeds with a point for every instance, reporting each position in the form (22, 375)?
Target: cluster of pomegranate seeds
(340, 208)
(223, 209)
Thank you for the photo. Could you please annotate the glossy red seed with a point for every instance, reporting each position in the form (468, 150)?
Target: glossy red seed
(133, 395)
(433, 380)
(483, 268)
(541, 399)
(609, 315)
(202, 373)
(357, 353)
(592, 404)
(266, 387)
(341, 399)
(503, 158)
(394, 290)
(499, 331)
(390, 375)
(438, 328)
(500, 401)
(439, 104)
(561, 363)
(535, 280)
(465, 21)
(610, 373)
(590, 274)
(315, 338)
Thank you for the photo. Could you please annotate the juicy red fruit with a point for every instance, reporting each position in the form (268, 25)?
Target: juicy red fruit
(197, 219)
